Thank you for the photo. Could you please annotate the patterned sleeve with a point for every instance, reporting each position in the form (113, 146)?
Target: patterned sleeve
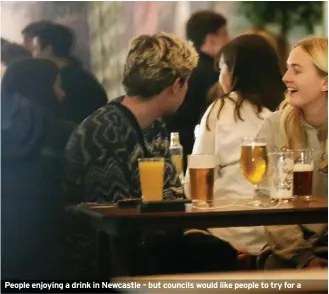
(95, 170)
(173, 188)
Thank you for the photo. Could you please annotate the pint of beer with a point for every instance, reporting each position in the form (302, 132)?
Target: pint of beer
(202, 173)
(303, 179)
(303, 173)
(253, 160)
(151, 173)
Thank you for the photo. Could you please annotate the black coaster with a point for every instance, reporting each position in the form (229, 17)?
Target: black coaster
(163, 206)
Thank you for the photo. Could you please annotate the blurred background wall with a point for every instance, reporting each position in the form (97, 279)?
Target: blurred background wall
(104, 29)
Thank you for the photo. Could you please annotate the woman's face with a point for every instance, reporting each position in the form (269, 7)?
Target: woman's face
(224, 76)
(58, 89)
(305, 85)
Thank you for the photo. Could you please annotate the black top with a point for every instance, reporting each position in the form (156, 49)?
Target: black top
(195, 104)
(83, 93)
(32, 215)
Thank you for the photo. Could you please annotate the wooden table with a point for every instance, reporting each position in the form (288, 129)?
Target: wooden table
(119, 224)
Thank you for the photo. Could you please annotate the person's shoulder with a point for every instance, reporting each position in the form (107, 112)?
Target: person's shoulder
(78, 74)
(273, 117)
(223, 107)
(95, 126)
(102, 117)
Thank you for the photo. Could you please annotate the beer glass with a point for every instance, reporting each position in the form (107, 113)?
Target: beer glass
(202, 176)
(253, 162)
(151, 173)
(303, 174)
(280, 175)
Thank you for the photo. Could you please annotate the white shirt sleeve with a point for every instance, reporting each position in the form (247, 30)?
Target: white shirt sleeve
(205, 141)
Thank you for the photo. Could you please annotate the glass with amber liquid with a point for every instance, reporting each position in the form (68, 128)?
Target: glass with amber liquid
(202, 174)
(254, 162)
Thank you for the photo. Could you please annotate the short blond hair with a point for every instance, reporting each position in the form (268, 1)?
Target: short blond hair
(154, 62)
(291, 117)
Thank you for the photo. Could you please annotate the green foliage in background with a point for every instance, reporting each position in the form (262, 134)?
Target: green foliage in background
(285, 14)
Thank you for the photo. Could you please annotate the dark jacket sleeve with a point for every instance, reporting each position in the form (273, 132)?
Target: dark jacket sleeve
(93, 171)
(22, 127)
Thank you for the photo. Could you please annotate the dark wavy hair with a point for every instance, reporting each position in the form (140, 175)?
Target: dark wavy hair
(256, 74)
(34, 79)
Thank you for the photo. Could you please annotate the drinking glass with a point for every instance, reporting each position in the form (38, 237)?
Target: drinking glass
(202, 175)
(151, 173)
(303, 174)
(280, 175)
(254, 162)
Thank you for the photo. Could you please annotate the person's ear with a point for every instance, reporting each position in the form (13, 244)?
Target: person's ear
(178, 85)
(324, 87)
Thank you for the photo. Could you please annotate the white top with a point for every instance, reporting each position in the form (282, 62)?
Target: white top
(224, 140)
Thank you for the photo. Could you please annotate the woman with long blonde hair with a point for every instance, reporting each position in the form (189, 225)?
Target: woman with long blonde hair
(302, 122)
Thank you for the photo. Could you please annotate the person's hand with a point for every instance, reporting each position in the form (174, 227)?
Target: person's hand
(318, 262)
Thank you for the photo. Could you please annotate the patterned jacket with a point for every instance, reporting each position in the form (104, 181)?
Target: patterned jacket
(101, 159)
(101, 163)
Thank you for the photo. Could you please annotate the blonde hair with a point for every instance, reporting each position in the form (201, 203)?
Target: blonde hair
(291, 117)
(154, 62)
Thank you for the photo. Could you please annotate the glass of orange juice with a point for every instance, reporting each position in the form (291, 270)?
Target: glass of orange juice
(151, 172)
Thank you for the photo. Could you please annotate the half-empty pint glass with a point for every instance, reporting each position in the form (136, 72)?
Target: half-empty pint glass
(303, 173)
(280, 175)
(201, 172)
(151, 173)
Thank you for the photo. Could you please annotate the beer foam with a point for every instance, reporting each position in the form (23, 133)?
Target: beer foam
(299, 167)
(201, 161)
(255, 144)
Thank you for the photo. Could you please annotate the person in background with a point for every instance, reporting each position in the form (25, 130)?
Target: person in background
(4, 42)
(267, 35)
(251, 80)
(32, 144)
(83, 93)
(208, 32)
(302, 122)
(11, 52)
(30, 31)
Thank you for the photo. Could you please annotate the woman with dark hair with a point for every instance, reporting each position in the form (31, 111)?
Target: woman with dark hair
(250, 77)
(33, 139)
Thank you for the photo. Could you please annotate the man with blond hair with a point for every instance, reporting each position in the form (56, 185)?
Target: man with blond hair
(101, 159)
(102, 154)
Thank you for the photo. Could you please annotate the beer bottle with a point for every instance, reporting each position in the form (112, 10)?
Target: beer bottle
(176, 152)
